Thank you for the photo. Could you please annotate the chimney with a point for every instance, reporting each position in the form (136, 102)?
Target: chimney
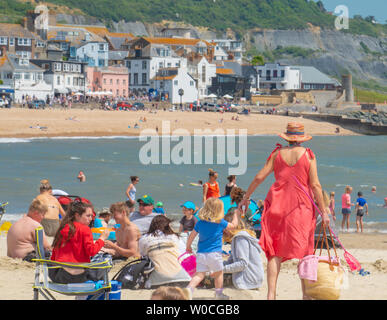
(25, 23)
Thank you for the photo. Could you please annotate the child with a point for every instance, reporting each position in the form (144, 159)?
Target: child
(169, 293)
(105, 218)
(346, 207)
(361, 203)
(188, 222)
(159, 208)
(209, 257)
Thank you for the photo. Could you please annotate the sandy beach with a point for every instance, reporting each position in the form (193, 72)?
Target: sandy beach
(24, 123)
(17, 277)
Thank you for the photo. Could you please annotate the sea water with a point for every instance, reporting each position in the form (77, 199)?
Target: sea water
(108, 162)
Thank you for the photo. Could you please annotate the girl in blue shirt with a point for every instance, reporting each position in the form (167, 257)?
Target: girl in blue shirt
(209, 255)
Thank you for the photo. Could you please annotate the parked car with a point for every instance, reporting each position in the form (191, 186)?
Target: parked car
(123, 105)
(138, 106)
(2, 103)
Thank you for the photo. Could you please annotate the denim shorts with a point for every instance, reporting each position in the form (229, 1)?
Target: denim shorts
(209, 261)
(346, 211)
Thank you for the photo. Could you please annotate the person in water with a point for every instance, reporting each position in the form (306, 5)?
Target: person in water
(81, 176)
(231, 184)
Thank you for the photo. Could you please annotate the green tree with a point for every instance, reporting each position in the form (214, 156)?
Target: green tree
(258, 60)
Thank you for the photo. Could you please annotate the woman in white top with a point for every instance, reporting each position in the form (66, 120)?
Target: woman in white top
(131, 193)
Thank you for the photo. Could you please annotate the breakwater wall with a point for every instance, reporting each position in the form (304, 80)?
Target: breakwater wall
(357, 125)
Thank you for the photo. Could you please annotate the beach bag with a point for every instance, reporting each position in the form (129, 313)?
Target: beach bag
(330, 273)
(135, 273)
(188, 262)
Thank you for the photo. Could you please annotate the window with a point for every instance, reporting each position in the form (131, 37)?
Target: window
(101, 47)
(27, 76)
(118, 81)
(135, 78)
(191, 83)
(118, 92)
(68, 81)
(17, 76)
(175, 82)
(203, 73)
(58, 80)
(3, 40)
(124, 92)
(11, 41)
(144, 78)
(282, 73)
(124, 82)
(169, 64)
(111, 81)
(275, 73)
(66, 67)
(144, 65)
(39, 76)
(104, 81)
(160, 64)
(129, 78)
(128, 64)
(57, 67)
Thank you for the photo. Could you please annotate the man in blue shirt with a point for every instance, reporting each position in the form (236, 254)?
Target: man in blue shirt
(361, 206)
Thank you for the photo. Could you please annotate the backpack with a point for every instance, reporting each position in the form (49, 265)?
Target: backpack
(134, 274)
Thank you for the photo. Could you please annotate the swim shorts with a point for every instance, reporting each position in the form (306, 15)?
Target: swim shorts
(209, 261)
(345, 211)
(360, 212)
(50, 226)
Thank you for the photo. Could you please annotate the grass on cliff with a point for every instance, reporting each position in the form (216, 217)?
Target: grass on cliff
(366, 96)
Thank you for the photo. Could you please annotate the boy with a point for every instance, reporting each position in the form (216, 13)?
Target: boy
(187, 223)
(159, 208)
(361, 204)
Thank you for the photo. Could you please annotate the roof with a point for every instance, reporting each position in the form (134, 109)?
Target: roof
(15, 30)
(176, 41)
(313, 75)
(75, 38)
(29, 67)
(224, 71)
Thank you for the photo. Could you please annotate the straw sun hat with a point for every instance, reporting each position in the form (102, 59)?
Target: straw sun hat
(295, 133)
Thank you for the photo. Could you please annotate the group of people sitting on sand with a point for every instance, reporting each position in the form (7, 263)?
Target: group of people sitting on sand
(142, 232)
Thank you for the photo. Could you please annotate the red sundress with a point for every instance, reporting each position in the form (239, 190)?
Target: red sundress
(288, 220)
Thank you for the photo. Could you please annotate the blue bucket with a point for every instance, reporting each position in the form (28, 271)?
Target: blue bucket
(114, 294)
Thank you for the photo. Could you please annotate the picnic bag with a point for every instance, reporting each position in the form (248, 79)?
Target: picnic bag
(135, 273)
(330, 273)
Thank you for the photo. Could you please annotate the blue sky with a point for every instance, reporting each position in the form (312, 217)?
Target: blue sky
(377, 8)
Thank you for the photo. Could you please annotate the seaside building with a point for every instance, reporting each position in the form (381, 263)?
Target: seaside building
(202, 71)
(21, 77)
(145, 60)
(64, 77)
(169, 82)
(314, 79)
(233, 48)
(18, 40)
(279, 76)
(112, 79)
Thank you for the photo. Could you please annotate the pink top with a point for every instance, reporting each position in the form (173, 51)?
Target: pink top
(346, 198)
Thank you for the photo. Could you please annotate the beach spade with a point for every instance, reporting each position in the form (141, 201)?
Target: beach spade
(353, 264)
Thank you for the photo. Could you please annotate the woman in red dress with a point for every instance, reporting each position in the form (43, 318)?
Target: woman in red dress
(288, 220)
(211, 187)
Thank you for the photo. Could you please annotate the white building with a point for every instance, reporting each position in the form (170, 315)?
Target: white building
(146, 63)
(231, 47)
(203, 72)
(25, 78)
(280, 77)
(169, 81)
(63, 76)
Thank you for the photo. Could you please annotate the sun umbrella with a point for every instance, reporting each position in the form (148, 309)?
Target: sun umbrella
(212, 96)
(253, 207)
(227, 96)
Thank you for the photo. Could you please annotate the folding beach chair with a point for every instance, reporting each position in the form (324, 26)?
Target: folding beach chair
(94, 289)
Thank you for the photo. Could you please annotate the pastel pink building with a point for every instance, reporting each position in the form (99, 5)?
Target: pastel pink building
(112, 79)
